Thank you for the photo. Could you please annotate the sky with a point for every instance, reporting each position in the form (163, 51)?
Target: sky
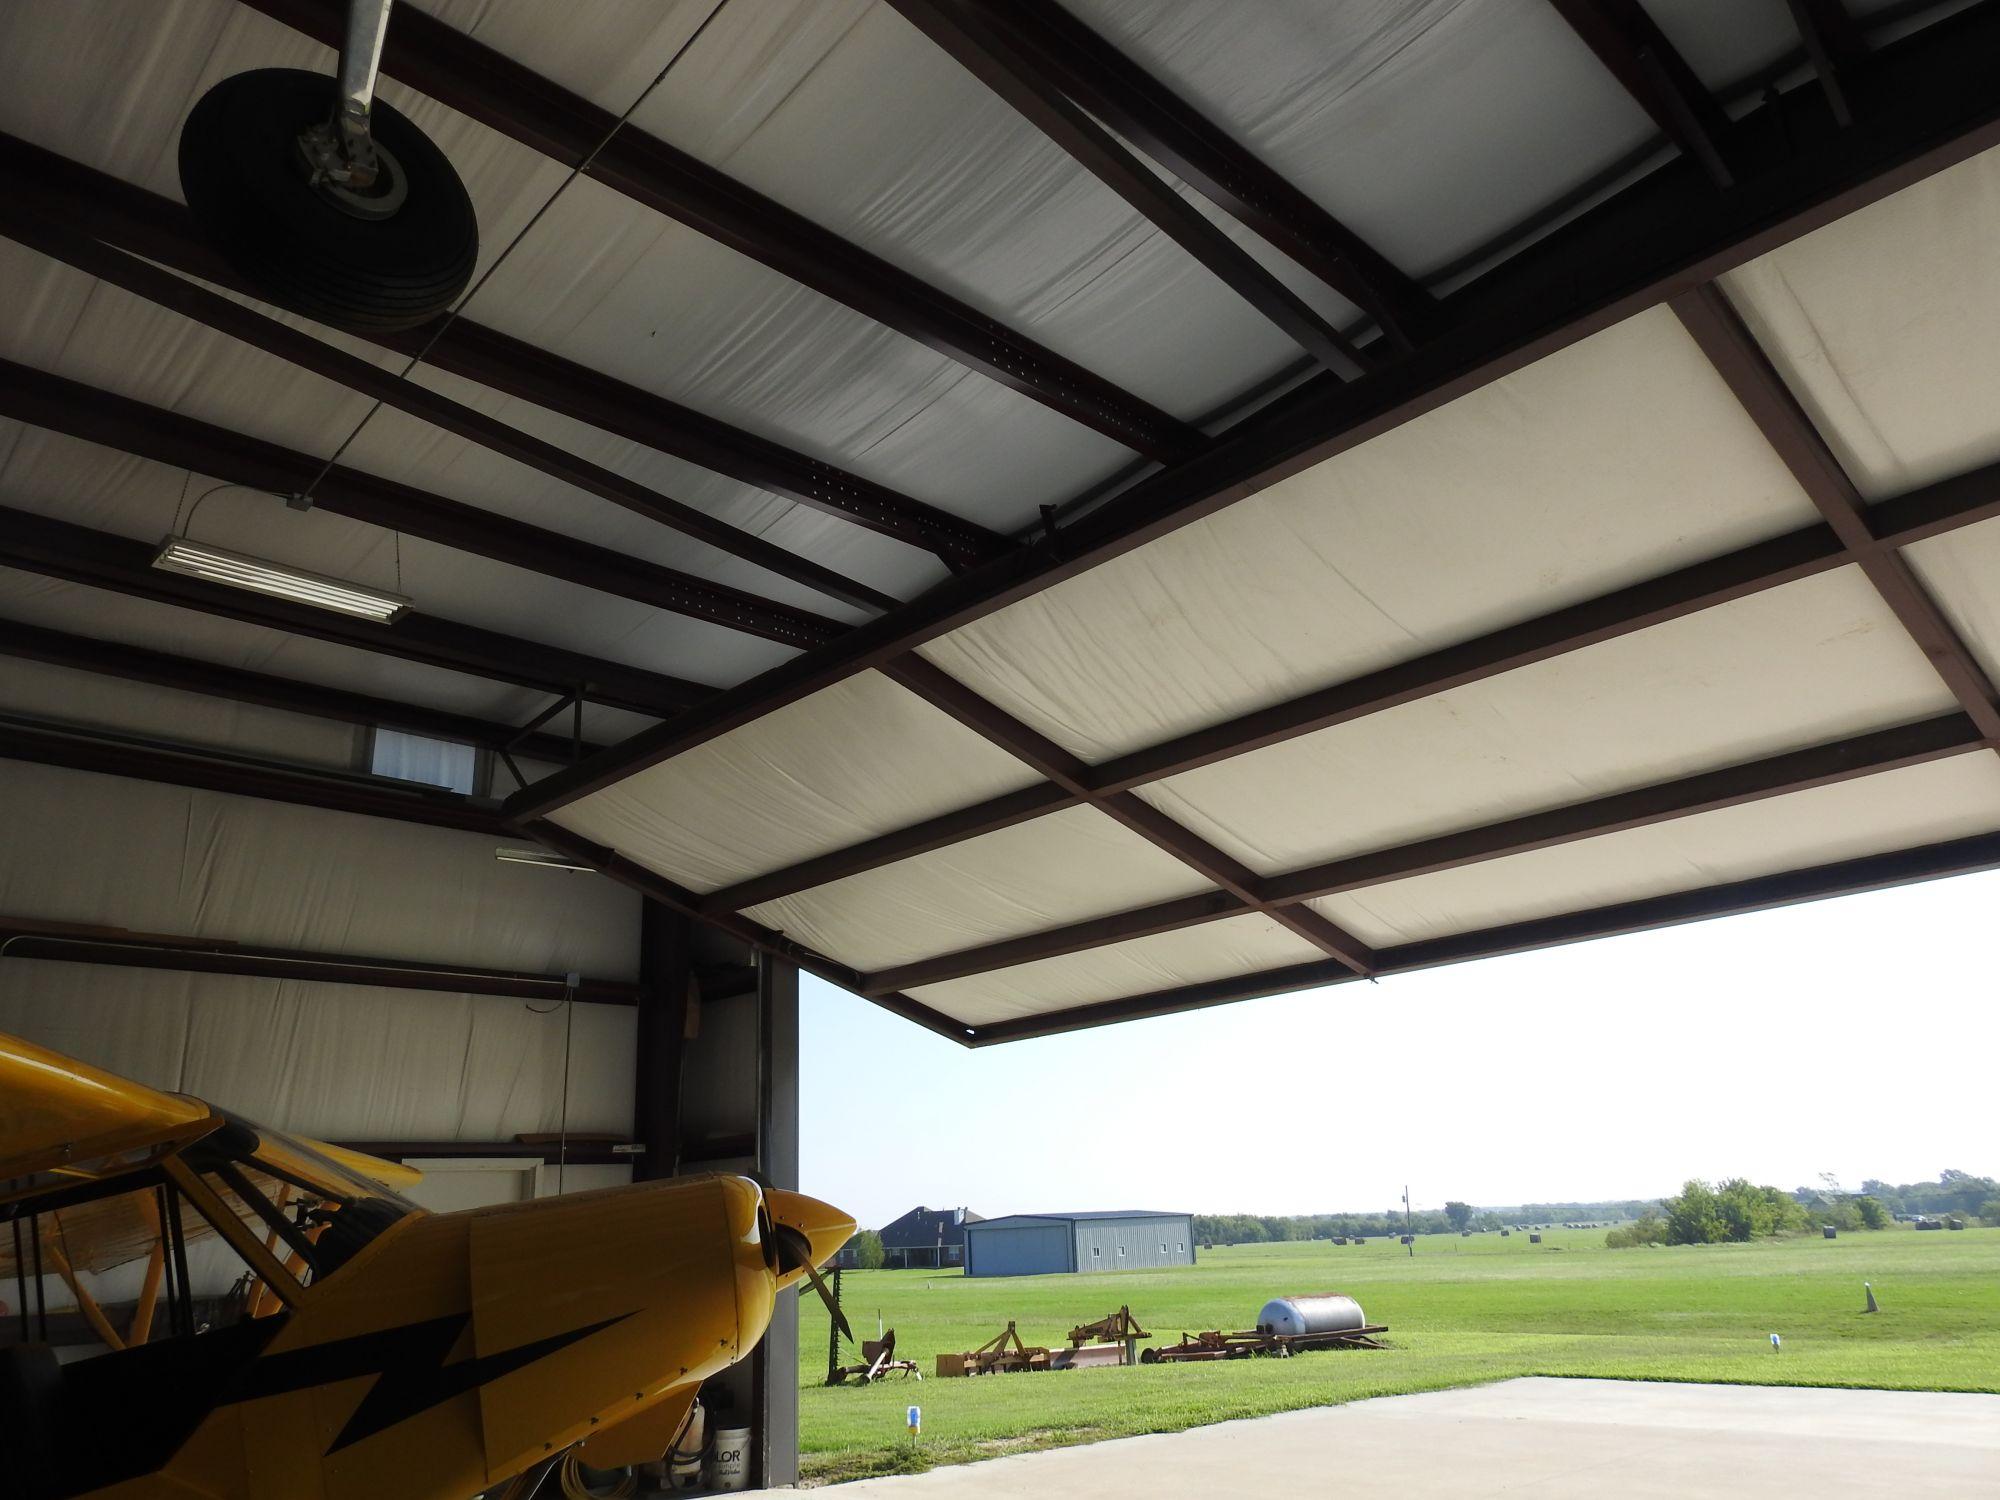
(1855, 1036)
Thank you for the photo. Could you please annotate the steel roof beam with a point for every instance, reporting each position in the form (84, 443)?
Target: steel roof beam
(61, 549)
(519, 103)
(1819, 882)
(1933, 511)
(995, 57)
(65, 942)
(1837, 48)
(118, 422)
(127, 217)
(1647, 66)
(184, 765)
(1934, 102)
(945, 692)
(1167, 128)
(1715, 326)
(240, 685)
(1775, 776)
(656, 887)
(165, 289)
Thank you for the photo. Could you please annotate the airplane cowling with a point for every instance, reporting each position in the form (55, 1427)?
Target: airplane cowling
(659, 1285)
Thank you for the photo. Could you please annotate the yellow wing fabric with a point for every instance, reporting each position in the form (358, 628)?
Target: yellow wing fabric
(61, 1115)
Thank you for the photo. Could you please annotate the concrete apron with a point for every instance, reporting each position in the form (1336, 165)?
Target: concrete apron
(1552, 1439)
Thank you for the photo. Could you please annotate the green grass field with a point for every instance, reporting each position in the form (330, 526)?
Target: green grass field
(1461, 1312)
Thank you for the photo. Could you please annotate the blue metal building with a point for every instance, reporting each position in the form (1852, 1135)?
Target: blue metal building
(1127, 1239)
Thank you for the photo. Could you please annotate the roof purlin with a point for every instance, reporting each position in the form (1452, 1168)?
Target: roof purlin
(131, 218)
(56, 404)
(1760, 893)
(994, 56)
(1949, 505)
(1935, 103)
(508, 97)
(1708, 791)
(163, 288)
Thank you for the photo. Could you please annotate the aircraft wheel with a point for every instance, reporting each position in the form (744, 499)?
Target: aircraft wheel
(391, 256)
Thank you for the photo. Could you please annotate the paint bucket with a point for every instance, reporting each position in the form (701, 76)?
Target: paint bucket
(729, 1470)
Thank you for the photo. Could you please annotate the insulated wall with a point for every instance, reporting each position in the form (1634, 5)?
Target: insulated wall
(331, 1060)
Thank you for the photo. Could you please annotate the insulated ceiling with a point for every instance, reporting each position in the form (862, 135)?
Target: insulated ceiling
(1685, 600)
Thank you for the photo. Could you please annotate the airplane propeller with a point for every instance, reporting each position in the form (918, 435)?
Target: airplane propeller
(787, 1249)
(795, 1251)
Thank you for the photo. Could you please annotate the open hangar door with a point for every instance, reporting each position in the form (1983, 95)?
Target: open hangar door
(870, 521)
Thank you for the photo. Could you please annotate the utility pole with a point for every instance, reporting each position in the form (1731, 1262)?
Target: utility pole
(1409, 1230)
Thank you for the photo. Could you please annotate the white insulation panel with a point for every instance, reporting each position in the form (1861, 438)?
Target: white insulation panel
(1902, 809)
(1614, 460)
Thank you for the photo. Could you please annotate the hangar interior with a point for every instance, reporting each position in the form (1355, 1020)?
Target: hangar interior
(1038, 514)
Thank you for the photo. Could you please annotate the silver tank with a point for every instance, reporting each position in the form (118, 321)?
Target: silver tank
(1330, 1313)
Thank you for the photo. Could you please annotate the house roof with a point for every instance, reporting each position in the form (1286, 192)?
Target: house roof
(921, 1226)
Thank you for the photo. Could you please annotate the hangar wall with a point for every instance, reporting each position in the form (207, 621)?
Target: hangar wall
(326, 1059)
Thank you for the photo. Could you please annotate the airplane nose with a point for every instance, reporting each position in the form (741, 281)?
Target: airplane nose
(825, 1227)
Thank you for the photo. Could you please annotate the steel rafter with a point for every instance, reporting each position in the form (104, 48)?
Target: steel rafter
(1745, 368)
(1762, 893)
(1167, 128)
(1708, 791)
(66, 942)
(113, 421)
(725, 606)
(240, 685)
(130, 218)
(1049, 759)
(1632, 47)
(521, 104)
(994, 56)
(62, 549)
(656, 887)
(1946, 506)
(1934, 102)
(1837, 48)
(216, 771)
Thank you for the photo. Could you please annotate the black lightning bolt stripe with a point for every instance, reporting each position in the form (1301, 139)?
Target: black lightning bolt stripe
(408, 1363)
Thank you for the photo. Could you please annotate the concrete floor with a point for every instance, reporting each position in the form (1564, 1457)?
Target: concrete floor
(1551, 1439)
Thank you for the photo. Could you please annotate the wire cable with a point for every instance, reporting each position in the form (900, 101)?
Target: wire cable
(584, 165)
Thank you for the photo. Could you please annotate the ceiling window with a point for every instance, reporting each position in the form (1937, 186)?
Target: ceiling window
(416, 757)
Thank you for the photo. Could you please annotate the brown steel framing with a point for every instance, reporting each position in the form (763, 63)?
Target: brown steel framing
(52, 190)
(501, 93)
(1722, 337)
(1168, 129)
(113, 421)
(1808, 552)
(1631, 46)
(174, 764)
(161, 669)
(64, 942)
(667, 589)
(1957, 122)
(1933, 101)
(993, 55)
(100, 559)
(1817, 883)
(1049, 759)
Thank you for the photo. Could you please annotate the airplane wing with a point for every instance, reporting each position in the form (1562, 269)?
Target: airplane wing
(60, 1116)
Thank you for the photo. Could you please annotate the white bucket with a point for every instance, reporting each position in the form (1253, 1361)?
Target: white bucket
(730, 1469)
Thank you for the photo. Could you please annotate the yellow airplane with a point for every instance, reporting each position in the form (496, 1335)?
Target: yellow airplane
(371, 1348)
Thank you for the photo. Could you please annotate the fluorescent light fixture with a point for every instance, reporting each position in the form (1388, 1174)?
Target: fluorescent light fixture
(541, 857)
(218, 565)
